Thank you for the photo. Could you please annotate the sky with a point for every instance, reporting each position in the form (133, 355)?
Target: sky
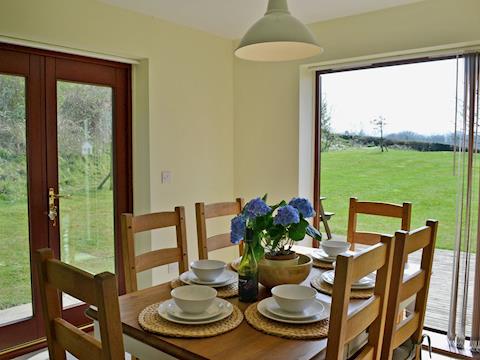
(415, 97)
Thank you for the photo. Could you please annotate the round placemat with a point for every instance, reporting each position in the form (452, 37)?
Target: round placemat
(151, 321)
(322, 264)
(316, 330)
(325, 288)
(223, 292)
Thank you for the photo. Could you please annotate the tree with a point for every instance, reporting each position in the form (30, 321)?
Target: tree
(326, 130)
(379, 124)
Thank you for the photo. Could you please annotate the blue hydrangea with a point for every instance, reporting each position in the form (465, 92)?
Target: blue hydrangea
(303, 206)
(256, 207)
(286, 215)
(238, 227)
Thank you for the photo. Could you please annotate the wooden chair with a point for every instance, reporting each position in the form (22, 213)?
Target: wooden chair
(99, 290)
(409, 330)
(324, 217)
(403, 212)
(215, 210)
(345, 326)
(134, 264)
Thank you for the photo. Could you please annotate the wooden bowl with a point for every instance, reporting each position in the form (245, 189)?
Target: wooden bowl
(270, 276)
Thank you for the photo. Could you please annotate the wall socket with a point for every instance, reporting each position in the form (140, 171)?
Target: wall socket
(166, 177)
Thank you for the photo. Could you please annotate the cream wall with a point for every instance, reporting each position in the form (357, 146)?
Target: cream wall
(267, 95)
(183, 96)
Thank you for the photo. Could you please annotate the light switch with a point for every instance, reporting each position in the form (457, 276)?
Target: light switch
(166, 177)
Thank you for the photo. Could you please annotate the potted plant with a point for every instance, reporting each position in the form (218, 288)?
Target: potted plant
(273, 230)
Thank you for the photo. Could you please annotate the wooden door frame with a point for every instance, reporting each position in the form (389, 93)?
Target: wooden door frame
(37, 105)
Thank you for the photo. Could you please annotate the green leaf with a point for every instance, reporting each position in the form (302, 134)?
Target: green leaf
(296, 232)
(314, 233)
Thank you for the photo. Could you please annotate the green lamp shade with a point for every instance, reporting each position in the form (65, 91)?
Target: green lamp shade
(278, 36)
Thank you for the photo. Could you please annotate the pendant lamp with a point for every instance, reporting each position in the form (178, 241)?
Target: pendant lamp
(278, 36)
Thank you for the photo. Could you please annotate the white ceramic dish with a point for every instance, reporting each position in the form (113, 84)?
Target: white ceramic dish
(225, 277)
(367, 282)
(194, 299)
(208, 270)
(323, 256)
(188, 277)
(213, 310)
(316, 308)
(334, 247)
(226, 312)
(294, 298)
(262, 308)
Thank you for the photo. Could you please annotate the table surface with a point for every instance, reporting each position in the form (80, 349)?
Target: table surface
(244, 342)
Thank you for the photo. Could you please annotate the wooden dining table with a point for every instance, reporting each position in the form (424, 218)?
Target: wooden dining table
(244, 342)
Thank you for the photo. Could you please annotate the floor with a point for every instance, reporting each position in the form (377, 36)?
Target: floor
(43, 355)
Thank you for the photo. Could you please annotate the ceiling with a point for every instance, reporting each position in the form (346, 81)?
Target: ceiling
(231, 18)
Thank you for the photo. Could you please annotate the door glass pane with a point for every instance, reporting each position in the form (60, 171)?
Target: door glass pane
(15, 285)
(84, 128)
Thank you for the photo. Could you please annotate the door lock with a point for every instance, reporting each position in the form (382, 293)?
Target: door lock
(52, 206)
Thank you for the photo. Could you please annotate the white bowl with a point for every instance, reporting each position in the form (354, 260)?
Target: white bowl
(293, 298)
(208, 270)
(193, 299)
(334, 247)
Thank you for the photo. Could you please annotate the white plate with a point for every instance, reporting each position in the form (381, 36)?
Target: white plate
(227, 310)
(189, 278)
(213, 310)
(235, 263)
(316, 308)
(323, 256)
(367, 282)
(226, 276)
(263, 309)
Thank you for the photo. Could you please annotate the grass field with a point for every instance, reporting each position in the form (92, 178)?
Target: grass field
(92, 251)
(423, 178)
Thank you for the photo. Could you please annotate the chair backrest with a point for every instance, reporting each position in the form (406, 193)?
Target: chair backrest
(133, 263)
(416, 285)
(98, 290)
(346, 325)
(215, 210)
(403, 212)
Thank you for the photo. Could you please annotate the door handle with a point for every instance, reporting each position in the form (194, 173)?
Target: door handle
(52, 206)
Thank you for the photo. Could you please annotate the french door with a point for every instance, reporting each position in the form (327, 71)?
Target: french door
(65, 175)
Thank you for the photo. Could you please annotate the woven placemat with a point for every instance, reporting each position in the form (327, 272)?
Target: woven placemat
(322, 264)
(151, 321)
(325, 288)
(223, 292)
(317, 330)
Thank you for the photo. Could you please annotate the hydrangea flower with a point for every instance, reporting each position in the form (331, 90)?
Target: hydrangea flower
(286, 215)
(256, 207)
(303, 206)
(238, 227)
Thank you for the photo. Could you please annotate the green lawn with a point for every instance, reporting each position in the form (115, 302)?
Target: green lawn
(92, 251)
(423, 178)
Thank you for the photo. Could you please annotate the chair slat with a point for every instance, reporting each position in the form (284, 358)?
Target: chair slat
(361, 319)
(218, 242)
(367, 238)
(156, 258)
(78, 343)
(418, 240)
(209, 211)
(366, 353)
(380, 209)
(154, 221)
(406, 329)
(412, 286)
(71, 280)
(368, 261)
(221, 209)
